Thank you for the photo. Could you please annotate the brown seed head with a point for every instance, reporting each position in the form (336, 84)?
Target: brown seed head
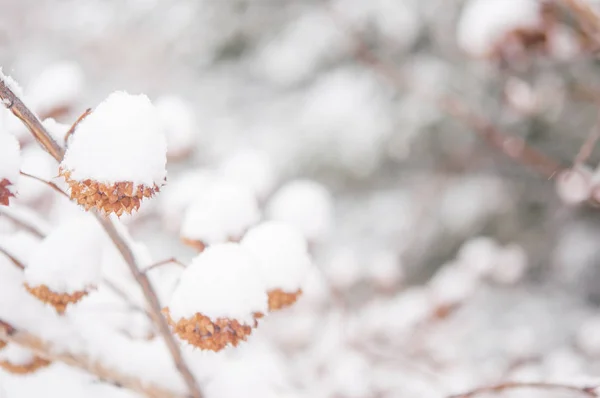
(30, 367)
(5, 194)
(279, 299)
(200, 331)
(118, 198)
(60, 301)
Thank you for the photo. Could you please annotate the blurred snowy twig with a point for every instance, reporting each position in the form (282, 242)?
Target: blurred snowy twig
(513, 147)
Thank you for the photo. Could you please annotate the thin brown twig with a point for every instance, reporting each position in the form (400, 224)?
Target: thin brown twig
(29, 227)
(18, 108)
(586, 16)
(171, 260)
(12, 258)
(49, 183)
(119, 292)
(512, 146)
(43, 137)
(74, 125)
(584, 391)
(45, 350)
(588, 146)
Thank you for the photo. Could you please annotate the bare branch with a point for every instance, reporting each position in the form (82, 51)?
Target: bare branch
(24, 221)
(512, 146)
(116, 290)
(49, 183)
(18, 108)
(583, 391)
(171, 260)
(44, 138)
(45, 350)
(12, 258)
(74, 125)
(586, 16)
(588, 146)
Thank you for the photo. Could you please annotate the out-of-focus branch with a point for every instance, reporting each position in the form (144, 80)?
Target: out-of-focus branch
(12, 258)
(44, 349)
(39, 131)
(74, 125)
(171, 260)
(586, 16)
(49, 183)
(22, 221)
(512, 146)
(583, 391)
(18, 108)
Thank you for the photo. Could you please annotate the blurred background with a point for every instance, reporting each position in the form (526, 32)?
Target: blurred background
(449, 256)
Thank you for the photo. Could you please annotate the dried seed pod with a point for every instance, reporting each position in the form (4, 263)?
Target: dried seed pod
(59, 301)
(117, 155)
(18, 360)
(217, 298)
(221, 213)
(66, 264)
(282, 259)
(10, 163)
(35, 364)
(177, 118)
(202, 332)
(279, 299)
(118, 198)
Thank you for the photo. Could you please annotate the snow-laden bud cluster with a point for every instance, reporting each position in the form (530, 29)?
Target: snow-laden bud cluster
(66, 265)
(222, 211)
(306, 205)
(251, 168)
(177, 119)
(217, 298)
(19, 360)
(117, 155)
(484, 24)
(54, 91)
(10, 164)
(181, 192)
(282, 258)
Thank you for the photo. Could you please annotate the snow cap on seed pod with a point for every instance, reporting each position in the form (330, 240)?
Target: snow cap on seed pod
(117, 155)
(66, 264)
(180, 194)
(217, 297)
(282, 257)
(305, 204)
(56, 89)
(222, 212)
(252, 168)
(177, 118)
(10, 164)
(18, 360)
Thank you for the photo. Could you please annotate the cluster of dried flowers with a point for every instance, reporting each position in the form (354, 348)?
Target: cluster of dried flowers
(114, 158)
